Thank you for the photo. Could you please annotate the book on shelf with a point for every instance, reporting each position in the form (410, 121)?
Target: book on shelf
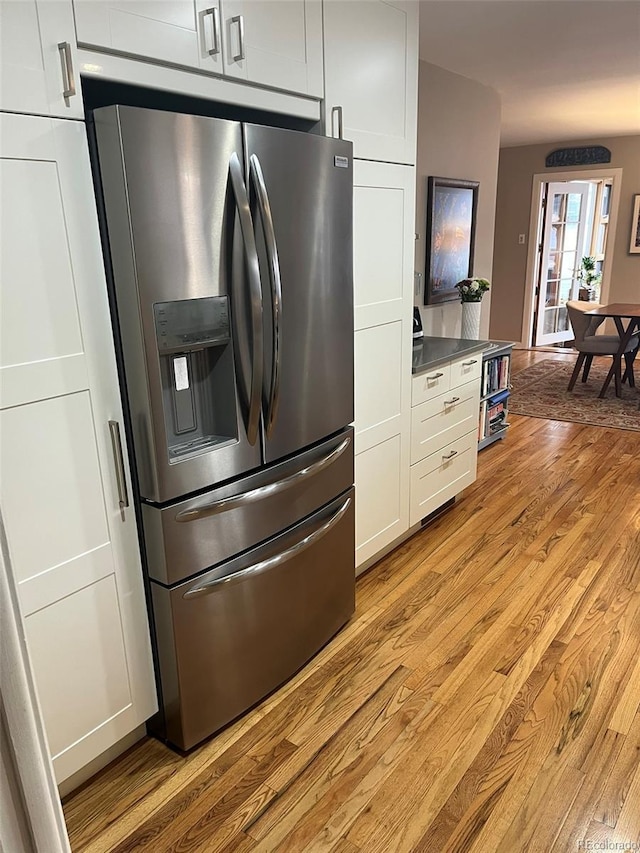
(495, 374)
(482, 420)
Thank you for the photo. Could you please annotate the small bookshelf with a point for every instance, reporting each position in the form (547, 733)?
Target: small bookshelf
(495, 388)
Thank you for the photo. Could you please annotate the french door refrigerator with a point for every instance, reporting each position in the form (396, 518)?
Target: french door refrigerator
(230, 250)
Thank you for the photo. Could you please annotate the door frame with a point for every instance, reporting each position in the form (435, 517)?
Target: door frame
(534, 225)
(554, 189)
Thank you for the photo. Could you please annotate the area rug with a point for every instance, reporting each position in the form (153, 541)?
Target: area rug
(540, 391)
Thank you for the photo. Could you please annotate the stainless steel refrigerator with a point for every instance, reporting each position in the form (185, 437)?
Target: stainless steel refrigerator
(230, 250)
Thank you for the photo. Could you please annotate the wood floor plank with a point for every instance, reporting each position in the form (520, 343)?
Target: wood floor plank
(483, 699)
(615, 787)
(479, 790)
(627, 826)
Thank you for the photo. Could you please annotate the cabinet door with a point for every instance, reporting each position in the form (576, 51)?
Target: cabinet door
(371, 74)
(275, 43)
(38, 63)
(383, 243)
(383, 226)
(73, 551)
(166, 30)
(382, 497)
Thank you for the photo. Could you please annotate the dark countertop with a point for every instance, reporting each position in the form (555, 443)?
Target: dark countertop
(429, 352)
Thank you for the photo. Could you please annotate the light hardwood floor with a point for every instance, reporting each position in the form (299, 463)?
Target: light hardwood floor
(483, 698)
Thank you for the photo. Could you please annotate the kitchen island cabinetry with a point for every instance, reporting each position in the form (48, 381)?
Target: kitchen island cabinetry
(72, 537)
(445, 400)
(371, 76)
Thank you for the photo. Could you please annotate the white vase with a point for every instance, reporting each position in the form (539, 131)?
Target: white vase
(471, 320)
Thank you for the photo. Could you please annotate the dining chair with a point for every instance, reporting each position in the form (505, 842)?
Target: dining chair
(589, 344)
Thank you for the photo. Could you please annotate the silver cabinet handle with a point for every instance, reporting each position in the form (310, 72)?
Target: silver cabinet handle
(268, 490)
(451, 401)
(450, 455)
(469, 363)
(255, 295)
(264, 208)
(270, 562)
(239, 20)
(215, 21)
(337, 111)
(118, 459)
(68, 80)
(434, 377)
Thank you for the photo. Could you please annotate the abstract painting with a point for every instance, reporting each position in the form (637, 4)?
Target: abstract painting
(451, 223)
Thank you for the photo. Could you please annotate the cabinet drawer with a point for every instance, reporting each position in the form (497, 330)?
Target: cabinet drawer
(438, 422)
(430, 384)
(466, 370)
(442, 476)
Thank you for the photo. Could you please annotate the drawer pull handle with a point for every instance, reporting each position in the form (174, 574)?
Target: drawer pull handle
(450, 455)
(434, 377)
(266, 491)
(451, 401)
(271, 562)
(469, 363)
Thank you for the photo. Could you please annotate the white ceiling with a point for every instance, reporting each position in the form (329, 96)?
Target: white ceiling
(565, 69)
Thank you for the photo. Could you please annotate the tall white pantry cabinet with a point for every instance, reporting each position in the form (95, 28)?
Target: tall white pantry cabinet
(371, 74)
(72, 547)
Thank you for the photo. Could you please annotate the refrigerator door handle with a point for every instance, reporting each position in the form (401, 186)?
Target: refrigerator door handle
(255, 295)
(264, 207)
(268, 490)
(271, 562)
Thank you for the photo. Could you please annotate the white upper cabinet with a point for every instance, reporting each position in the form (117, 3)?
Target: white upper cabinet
(38, 62)
(275, 43)
(371, 74)
(165, 30)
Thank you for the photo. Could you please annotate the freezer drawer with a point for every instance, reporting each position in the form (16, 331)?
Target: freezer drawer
(195, 534)
(231, 636)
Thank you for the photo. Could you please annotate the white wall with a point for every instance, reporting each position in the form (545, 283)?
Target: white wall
(458, 137)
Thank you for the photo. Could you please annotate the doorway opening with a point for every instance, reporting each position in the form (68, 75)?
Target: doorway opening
(573, 218)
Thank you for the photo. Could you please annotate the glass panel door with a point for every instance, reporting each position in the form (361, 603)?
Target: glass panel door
(562, 251)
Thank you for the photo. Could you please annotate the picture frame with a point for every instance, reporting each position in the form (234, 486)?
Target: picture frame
(634, 241)
(452, 207)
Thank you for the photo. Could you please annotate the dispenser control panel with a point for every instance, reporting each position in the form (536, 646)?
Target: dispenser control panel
(190, 324)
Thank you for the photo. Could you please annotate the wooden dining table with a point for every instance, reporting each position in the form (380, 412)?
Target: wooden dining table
(620, 312)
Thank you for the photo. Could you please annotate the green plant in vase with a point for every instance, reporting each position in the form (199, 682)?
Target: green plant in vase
(589, 280)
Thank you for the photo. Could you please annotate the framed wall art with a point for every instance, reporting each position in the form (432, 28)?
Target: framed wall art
(451, 223)
(634, 244)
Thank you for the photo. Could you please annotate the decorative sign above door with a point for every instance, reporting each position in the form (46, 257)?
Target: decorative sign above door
(587, 155)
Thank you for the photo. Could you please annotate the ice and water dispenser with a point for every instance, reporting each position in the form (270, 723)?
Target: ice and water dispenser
(197, 373)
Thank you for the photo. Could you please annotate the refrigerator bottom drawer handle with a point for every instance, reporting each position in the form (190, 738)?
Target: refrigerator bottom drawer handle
(272, 562)
(265, 491)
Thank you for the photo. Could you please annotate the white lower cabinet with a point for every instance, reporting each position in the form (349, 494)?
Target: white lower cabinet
(444, 434)
(381, 497)
(73, 551)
